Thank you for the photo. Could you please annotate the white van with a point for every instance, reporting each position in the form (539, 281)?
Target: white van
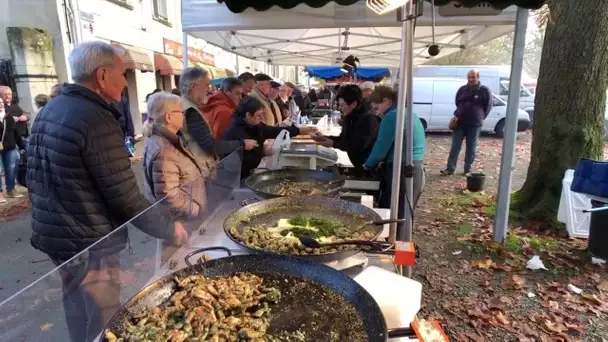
(495, 77)
(434, 103)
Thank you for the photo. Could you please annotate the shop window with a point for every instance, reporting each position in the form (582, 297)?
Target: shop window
(160, 10)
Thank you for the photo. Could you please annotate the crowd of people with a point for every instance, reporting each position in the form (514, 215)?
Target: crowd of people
(82, 187)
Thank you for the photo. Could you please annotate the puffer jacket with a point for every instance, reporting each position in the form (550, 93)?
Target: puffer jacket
(240, 129)
(80, 180)
(218, 113)
(171, 170)
(270, 118)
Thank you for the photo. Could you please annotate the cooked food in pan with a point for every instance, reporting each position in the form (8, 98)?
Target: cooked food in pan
(232, 308)
(298, 188)
(284, 236)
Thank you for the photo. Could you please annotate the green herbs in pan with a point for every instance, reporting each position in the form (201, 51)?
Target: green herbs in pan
(284, 237)
(232, 308)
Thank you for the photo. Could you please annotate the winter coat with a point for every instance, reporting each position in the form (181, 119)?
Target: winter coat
(270, 118)
(80, 180)
(358, 136)
(22, 127)
(171, 170)
(11, 139)
(240, 129)
(200, 140)
(218, 113)
(473, 104)
(125, 120)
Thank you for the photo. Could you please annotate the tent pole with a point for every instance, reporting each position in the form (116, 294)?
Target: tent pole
(510, 136)
(405, 94)
(185, 49)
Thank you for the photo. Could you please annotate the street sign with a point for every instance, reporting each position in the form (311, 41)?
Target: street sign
(453, 9)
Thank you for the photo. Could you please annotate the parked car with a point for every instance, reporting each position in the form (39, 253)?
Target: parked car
(495, 77)
(434, 105)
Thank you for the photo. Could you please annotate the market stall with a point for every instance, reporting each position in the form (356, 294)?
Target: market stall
(144, 273)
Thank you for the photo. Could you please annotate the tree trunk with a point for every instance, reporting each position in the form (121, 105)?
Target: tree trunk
(569, 105)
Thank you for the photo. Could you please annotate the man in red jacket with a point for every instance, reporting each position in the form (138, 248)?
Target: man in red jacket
(220, 106)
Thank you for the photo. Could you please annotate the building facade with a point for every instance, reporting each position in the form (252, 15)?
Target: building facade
(149, 31)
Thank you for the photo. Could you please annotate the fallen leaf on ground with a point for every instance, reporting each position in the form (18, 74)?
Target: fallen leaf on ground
(500, 317)
(46, 326)
(592, 298)
(603, 286)
(517, 282)
(483, 264)
(555, 327)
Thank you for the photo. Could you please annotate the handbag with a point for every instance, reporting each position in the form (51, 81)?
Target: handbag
(453, 123)
(22, 171)
(591, 177)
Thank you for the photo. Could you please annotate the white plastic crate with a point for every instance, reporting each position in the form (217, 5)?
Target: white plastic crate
(571, 206)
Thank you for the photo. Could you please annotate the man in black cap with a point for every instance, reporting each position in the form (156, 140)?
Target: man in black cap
(248, 82)
(261, 91)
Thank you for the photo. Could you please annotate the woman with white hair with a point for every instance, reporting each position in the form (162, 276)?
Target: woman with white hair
(169, 165)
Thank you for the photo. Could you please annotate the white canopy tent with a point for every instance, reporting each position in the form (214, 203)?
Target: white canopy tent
(296, 40)
(326, 35)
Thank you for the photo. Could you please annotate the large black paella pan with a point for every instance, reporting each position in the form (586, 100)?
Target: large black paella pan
(317, 303)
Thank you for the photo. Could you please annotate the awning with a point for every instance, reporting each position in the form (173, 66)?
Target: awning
(238, 6)
(135, 58)
(332, 72)
(215, 72)
(219, 72)
(324, 36)
(168, 65)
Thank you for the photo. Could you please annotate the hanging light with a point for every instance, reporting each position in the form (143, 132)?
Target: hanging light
(350, 64)
(384, 6)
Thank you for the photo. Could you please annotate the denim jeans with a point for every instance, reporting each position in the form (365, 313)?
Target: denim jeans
(91, 293)
(471, 134)
(9, 159)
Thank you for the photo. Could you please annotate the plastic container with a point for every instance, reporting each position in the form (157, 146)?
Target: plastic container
(598, 231)
(476, 181)
(571, 206)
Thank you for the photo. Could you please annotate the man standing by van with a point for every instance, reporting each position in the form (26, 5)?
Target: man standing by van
(473, 104)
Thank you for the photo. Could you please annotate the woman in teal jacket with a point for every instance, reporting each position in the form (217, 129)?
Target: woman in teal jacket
(384, 102)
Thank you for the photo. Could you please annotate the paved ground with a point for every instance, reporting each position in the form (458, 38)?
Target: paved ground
(22, 264)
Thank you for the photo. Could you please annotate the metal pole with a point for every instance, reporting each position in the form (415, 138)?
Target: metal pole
(405, 77)
(510, 137)
(392, 236)
(185, 49)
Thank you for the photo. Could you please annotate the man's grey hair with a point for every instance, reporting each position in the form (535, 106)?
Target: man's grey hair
(87, 57)
(190, 76)
(475, 71)
(230, 83)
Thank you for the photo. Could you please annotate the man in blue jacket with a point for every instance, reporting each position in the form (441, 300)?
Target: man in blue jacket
(473, 104)
(384, 102)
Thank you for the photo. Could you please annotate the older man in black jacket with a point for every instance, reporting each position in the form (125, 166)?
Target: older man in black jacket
(82, 188)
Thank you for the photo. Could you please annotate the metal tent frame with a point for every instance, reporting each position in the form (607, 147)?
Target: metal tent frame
(326, 35)
(203, 16)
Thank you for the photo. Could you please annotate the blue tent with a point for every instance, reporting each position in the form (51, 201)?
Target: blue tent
(217, 82)
(330, 72)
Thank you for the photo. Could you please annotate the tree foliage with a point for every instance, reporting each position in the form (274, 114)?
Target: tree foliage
(499, 51)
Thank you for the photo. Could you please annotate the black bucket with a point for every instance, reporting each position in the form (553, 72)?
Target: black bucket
(598, 231)
(476, 181)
